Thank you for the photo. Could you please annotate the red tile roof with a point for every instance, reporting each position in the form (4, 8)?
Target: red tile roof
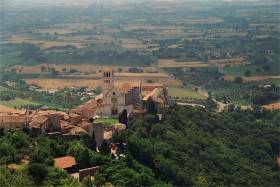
(14, 118)
(65, 162)
(127, 86)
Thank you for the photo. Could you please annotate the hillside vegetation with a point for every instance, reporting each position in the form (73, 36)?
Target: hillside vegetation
(191, 147)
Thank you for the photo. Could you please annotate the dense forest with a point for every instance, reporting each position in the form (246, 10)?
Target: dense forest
(189, 147)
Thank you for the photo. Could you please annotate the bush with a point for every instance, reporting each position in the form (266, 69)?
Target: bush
(38, 171)
(238, 80)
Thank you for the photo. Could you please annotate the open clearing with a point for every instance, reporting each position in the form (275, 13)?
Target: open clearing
(172, 63)
(176, 91)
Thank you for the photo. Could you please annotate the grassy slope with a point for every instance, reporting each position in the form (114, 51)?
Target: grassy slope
(107, 121)
(184, 92)
(18, 102)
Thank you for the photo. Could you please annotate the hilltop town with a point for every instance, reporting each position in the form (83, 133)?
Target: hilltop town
(108, 106)
(139, 93)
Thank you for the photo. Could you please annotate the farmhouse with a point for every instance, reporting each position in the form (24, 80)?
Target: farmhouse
(117, 97)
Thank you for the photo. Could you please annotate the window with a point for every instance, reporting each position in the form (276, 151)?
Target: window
(114, 93)
(114, 100)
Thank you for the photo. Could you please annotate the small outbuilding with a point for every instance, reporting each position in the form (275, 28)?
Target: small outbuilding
(67, 163)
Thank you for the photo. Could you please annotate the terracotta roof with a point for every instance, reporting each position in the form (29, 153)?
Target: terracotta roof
(77, 130)
(127, 86)
(89, 105)
(158, 95)
(51, 112)
(152, 85)
(85, 125)
(14, 118)
(65, 162)
(108, 69)
(155, 93)
(40, 119)
(71, 129)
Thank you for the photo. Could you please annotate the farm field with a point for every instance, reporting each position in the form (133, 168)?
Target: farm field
(65, 28)
(17, 103)
(252, 78)
(48, 41)
(84, 68)
(132, 43)
(176, 91)
(4, 108)
(54, 84)
(44, 44)
(172, 63)
(240, 69)
(57, 84)
(229, 62)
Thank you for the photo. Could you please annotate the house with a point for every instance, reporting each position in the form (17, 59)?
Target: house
(67, 163)
(12, 120)
(46, 122)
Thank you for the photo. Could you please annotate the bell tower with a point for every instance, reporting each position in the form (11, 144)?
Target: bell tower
(108, 80)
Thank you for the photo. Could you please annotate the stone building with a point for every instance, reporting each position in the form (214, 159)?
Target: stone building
(117, 97)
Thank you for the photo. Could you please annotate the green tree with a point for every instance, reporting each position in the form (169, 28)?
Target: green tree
(105, 149)
(238, 80)
(151, 106)
(38, 172)
(88, 141)
(247, 73)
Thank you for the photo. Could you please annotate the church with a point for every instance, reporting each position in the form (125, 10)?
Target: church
(117, 97)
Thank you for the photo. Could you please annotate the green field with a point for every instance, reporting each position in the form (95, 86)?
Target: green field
(184, 92)
(9, 55)
(107, 121)
(18, 102)
(239, 70)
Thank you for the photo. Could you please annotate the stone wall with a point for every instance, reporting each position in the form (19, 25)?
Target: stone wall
(87, 172)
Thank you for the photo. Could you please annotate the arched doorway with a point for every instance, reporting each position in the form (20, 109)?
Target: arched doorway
(114, 111)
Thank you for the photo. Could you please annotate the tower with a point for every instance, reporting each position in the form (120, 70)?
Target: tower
(108, 80)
